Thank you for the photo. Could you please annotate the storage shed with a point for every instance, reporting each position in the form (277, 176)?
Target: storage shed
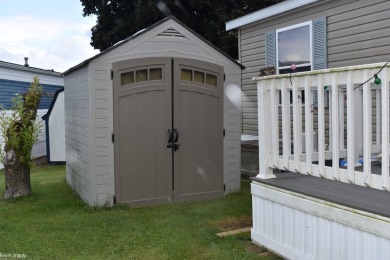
(55, 129)
(154, 119)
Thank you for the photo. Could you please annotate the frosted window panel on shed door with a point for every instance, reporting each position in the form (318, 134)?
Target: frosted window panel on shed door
(186, 74)
(127, 78)
(199, 77)
(211, 80)
(141, 75)
(155, 74)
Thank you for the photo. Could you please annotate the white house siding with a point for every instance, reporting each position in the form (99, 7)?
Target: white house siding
(78, 133)
(27, 76)
(357, 34)
(39, 148)
(301, 227)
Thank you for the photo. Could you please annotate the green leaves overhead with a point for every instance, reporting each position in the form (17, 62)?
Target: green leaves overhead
(119, 19)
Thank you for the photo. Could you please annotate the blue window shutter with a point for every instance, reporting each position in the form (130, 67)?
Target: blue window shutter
(320, 46)
(270, 49)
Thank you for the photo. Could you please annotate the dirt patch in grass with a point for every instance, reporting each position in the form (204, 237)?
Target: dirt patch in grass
(232, 223)
(250, 247)
(239, 222)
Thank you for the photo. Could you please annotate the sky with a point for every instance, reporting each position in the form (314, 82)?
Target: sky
(52, 34)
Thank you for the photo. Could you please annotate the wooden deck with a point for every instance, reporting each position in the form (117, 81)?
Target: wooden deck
(354, 196)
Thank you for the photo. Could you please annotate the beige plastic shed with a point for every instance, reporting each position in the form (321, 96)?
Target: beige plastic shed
(154, 119)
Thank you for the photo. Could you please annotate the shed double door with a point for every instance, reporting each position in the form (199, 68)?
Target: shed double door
(168, 128)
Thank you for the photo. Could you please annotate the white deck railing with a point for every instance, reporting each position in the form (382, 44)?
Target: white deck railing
(309, 121)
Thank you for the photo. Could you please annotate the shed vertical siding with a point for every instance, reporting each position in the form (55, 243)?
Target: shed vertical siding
(232, 125)
(78, 133)
(102, 127)
(357, 33)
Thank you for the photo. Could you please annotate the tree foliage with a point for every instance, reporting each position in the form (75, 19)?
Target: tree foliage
(119, 19)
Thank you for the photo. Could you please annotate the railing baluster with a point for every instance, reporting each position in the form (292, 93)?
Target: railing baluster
(378, 116)
(335, 128)
(286, 124)
(367, 129)
(351, 156)
(321, 127)
(341, 119)
(275, 123)
(308, 126)
(385, 128)
(297, 124)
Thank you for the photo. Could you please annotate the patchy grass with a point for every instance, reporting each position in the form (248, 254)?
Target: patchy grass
(53, 223)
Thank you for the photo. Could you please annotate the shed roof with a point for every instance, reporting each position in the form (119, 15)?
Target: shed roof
(283, 7)
(120, 43)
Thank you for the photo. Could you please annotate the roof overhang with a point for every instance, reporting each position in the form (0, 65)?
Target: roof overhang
(13, 66)
(268, 12)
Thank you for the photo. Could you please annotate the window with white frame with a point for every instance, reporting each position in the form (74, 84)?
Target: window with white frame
(303, 44)
(294, 46)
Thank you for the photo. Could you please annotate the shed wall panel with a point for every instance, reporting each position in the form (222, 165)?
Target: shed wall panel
(77, 133)
(102, 128)
(232, 126)
(57, 130)
(357, 34)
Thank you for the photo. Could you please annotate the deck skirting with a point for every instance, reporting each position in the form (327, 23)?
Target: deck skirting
(298, 226)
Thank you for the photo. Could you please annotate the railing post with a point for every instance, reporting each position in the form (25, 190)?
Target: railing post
(275, 123)
(265, 133)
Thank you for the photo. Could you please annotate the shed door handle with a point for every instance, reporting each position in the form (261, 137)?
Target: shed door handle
(176, 133)
(170, 136)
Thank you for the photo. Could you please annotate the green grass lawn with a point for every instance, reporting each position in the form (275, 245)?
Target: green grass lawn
(53, 223)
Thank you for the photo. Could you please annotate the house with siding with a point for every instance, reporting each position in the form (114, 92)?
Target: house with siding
(16, 79)
(339, 33)
(322, 181)
(331, 34)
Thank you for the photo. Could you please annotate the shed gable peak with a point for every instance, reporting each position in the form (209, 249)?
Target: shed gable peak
(170, 32)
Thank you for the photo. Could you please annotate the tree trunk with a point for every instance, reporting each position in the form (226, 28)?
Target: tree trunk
(20, 137)
(17, 177)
